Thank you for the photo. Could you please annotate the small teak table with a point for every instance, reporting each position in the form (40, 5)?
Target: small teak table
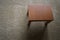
(39, 13)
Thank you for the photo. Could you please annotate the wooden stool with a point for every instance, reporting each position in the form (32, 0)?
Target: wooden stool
(39, 13)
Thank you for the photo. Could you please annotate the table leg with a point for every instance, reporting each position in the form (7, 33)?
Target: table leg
(29, 24)
(47, 23)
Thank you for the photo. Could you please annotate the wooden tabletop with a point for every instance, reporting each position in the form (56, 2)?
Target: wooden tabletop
(40, 12)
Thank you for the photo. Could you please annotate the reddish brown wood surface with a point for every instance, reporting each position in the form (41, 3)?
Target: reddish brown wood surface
(40, 12)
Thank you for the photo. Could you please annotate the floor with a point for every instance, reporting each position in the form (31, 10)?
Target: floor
(13, 21)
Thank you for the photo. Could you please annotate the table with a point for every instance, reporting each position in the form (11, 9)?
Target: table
(39, 13)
